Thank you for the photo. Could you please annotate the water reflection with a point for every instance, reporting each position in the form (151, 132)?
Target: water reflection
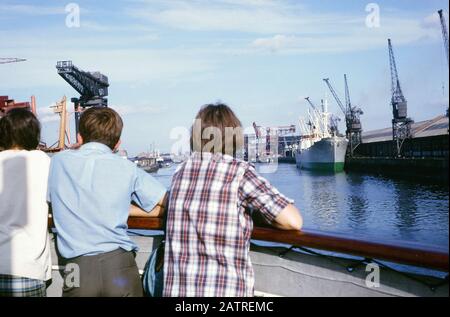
(405, 209)
(357, 202)
(322, 199)
(367, 206)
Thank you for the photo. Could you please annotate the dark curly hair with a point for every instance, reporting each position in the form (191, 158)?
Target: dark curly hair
(19, 128)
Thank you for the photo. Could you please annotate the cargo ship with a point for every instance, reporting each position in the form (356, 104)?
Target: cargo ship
(321, 147)
(328, 154)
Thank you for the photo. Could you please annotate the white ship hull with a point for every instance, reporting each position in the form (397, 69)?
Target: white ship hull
(327, 154)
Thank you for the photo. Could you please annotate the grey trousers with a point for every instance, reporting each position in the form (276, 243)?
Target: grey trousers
(111, 274)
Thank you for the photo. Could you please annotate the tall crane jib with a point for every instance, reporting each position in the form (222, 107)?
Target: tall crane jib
(8, 60)
(401, 124)
(92, 87)
(353, 112)
(331, 124)
(444, 31)
(352, 117)
(398, 100)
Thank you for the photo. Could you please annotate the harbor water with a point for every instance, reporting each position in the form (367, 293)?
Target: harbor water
(363, 206)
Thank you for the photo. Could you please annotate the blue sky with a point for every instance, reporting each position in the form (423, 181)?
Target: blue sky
(166, 58)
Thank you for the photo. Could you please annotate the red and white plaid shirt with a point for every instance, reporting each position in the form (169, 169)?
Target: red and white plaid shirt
(209, 226)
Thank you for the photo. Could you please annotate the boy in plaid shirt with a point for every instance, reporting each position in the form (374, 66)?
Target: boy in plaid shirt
(209, 222)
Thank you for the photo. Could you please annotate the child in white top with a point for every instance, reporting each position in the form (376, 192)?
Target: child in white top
(25, 262)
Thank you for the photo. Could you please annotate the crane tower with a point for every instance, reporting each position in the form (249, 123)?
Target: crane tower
(401, 124)
(352, 117)
(444, 31)
(92, 87)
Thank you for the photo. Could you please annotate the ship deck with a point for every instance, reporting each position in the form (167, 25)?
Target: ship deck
(312, 263)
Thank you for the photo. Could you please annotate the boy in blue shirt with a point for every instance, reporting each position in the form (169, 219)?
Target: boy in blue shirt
(90, 190)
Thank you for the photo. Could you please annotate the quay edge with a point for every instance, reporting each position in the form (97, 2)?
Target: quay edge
(433, 169)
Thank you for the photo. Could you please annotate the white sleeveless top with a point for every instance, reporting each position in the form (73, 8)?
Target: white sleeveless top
(24, 239)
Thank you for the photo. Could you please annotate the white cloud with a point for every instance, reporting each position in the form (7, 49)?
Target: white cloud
(124, 110)
(276, 43)
(251, 3)
(92, 25)
(353, 36)
(120, 65)
(33, 10)
(251, 16)
(433, 21)
(281, 26)
(46, 114)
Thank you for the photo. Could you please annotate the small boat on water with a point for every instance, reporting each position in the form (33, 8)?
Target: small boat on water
(320, 147)
(151, 168)
(164, 162)
(148, 164)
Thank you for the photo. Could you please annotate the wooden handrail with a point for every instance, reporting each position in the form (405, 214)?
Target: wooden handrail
(400, 252)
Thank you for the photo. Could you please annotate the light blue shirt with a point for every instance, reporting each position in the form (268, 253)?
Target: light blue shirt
(90, 190)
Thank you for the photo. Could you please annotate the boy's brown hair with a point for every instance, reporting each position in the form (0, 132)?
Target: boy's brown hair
(101, 124)
(216, 130)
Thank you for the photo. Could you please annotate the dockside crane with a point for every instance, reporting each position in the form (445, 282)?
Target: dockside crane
(258, 137)
(333, 120)
(7, 60)
(311, 103)
(444, 37)
(444, 32)
(352, 117)
(354, 114)
(92, 87)
(257, 130)
(64, 129)
(316, 115)
(401, 124)
(272, 137)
